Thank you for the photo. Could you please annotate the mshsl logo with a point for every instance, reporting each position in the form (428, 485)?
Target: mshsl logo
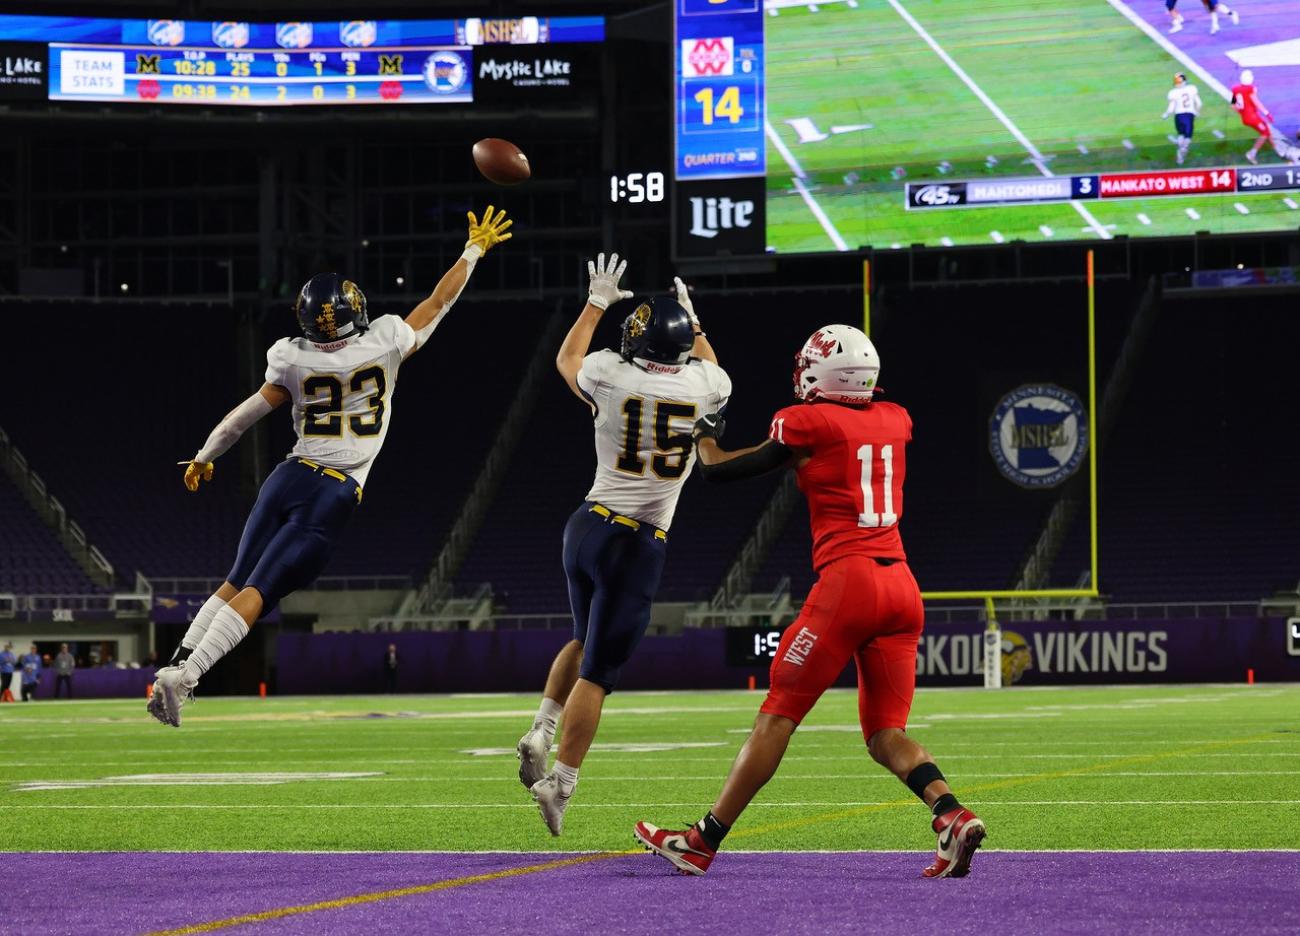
(166, 32)
(706, 57)
(1038, 435)
(293, 35)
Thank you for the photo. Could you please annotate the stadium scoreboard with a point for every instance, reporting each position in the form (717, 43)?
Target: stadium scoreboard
(172, 61)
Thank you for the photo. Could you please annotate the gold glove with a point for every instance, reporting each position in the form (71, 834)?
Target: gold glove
(491, 231)
(196, 471)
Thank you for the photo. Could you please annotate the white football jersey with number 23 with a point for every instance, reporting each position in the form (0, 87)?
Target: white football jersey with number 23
(342, 392)
(644, 416)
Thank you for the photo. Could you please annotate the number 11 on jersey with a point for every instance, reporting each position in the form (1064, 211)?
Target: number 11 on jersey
(869, 517)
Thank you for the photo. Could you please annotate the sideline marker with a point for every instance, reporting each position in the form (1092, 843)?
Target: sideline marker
(753, 683)
(261, 690)
(1250, 677)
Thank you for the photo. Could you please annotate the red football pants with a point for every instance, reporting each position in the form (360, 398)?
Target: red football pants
(860, 610)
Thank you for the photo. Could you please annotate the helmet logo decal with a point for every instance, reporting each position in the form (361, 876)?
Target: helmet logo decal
(824, 344)
(352, 294)
(325, 321)
(639, 319)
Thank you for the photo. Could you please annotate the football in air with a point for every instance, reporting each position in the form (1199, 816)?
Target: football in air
(501, 161)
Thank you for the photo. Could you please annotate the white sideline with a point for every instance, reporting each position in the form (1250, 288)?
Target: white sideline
(1038, 159)
(799, 176)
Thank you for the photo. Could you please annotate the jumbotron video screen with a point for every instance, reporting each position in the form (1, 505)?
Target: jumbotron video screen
(889, 123)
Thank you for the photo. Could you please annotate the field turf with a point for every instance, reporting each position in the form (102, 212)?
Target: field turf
(1165, 809)
(1082, 83)
(1158, 767)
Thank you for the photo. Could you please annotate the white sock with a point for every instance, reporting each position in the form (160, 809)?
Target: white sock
(226, 630)
(1214, 20)
(199, 626)
(568, 777)
(548, 719)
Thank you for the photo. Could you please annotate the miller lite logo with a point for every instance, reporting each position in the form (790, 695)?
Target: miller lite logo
(230, 35)
(166, 32)
(708, 57)
(711, 215)
(293, 35)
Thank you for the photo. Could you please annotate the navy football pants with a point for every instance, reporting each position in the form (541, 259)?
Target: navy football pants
(613, 573)
(290, 534)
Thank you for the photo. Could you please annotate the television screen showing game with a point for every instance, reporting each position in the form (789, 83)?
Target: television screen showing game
(840, 124)
(340, 61)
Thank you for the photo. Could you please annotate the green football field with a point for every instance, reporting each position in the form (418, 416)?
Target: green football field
(1082, 85)
(1170, 767)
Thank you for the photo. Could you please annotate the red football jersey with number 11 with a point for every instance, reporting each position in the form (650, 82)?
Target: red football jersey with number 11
(853, 478)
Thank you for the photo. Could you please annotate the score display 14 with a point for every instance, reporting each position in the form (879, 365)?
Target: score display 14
(636, 188)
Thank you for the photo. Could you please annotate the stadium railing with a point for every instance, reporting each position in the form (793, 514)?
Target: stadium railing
(208, 585)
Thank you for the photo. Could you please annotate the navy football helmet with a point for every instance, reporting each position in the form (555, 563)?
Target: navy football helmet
(659, 330)
(331, 308)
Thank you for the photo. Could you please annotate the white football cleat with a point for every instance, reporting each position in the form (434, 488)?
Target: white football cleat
(1251, 157)
(1176, 27)
(1214, 28)
(531, 751)
(551, 802)
(155, 704)
(173, 693)
(1235, 17)
(960, 832)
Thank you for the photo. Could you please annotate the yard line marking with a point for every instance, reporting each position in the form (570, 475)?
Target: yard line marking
(1241, 209)
(1199, 750)
(1045, 230)
(946, 241)
(1193, 214)
(1083, 150)
(788, 804)
(1143, 218)
(1127, 144)
(997, 237)
(376, 896)
(799, 176)
(1163, 41)
(1290, 203)
(1039, 159)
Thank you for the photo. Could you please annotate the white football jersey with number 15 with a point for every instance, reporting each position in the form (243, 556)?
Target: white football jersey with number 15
(644, 416)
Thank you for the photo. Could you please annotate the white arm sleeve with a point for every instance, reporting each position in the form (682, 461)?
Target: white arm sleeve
(235, 424)
(470, 256)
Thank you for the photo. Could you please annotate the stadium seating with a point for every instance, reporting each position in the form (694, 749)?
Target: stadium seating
(1200, 486)
(32, 560)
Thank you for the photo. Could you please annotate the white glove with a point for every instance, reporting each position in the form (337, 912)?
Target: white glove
(684, 300)
(604, 290)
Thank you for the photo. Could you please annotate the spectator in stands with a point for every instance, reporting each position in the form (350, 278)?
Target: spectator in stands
(7, 664)
(64, 664)
(31, 663)
(108, 662)
(390, 667)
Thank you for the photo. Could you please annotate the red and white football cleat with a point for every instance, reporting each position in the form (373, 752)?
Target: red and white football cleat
(960, 832)
(686, 849)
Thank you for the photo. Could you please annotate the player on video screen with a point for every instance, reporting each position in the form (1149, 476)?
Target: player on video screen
(1253, 113)
(1184, 104)
(1215, 8)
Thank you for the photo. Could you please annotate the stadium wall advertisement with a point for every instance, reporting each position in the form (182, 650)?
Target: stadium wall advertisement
(1034, 653)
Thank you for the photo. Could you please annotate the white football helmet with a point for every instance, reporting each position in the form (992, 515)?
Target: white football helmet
(837, 363)
(1248, 77)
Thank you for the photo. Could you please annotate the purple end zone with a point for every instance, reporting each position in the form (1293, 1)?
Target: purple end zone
(1263, 22)
(797, 893)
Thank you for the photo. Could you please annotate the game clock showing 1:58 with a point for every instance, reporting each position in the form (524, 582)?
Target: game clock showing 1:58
(636, 188)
